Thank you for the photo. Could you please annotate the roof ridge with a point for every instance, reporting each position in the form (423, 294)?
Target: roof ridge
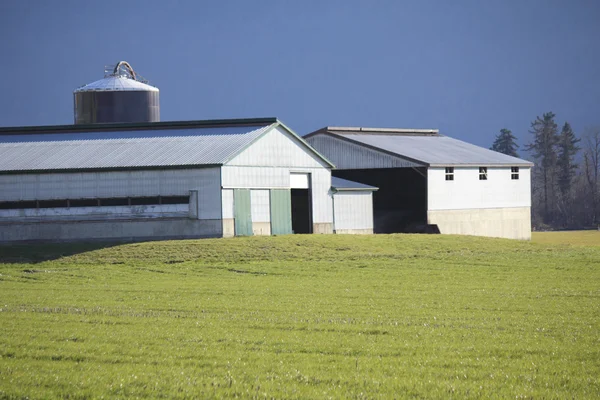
(381, 130)
(131, 126)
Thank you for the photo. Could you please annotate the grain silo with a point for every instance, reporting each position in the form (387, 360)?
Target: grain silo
(121, 96)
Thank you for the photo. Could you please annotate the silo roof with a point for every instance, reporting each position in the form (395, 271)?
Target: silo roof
(116, 83)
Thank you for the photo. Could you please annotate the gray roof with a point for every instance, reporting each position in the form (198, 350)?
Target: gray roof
(425, 146)
(91, 150)
(344, 184)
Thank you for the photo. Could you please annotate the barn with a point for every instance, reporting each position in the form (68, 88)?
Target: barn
(156, 180)
(429, 182)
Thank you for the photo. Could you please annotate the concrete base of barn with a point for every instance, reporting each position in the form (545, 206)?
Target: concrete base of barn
(126, 230)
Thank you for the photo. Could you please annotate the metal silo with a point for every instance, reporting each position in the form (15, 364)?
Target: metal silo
(122, 96)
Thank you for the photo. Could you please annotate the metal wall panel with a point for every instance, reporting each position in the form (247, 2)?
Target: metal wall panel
(259, 200)
(346, 155)
(108, 184)
(299, 180)
(278, 148)
(281, 212)
(227, 196)
(353, 210)
(242, 212)
(466, 191)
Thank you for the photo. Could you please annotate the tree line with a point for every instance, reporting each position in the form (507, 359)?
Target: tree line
(565, 181)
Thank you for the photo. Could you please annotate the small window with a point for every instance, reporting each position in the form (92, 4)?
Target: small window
(15, 205)
(449, 173)
(83, 203)
(483, 173)
(144, 201)
(514, 173)
(175, 199)
(52, 203)
(115, 201)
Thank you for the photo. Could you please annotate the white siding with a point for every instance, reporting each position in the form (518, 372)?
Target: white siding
(259, 200)
(466, 191)
(278, 148)
(227, 195)
(106, 184)
(346, 155)
(278, 177)
(353, 210)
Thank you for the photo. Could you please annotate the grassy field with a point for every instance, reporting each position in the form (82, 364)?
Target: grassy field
(575, 238)
(387, 316)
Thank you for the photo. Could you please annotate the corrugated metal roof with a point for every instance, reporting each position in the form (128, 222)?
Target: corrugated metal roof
(125, 149)
(432, 149)
(344, 184)
(116, 83)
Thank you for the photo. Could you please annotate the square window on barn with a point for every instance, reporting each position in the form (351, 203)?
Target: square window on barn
(449, 173)
(483, 173)
(514, 173)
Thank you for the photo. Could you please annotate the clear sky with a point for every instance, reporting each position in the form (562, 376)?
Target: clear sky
(468, 68)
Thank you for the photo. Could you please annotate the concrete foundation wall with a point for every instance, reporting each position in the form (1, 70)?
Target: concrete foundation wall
(261, 228)
(148, 229)
(228, 227)
(323, 228)
(511, 223)
(354, 231)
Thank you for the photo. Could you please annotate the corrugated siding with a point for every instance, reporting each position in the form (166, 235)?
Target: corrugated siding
(432, 149)
(87, 213)
(87, 150)
(346, 155)
(227, 199)
(242, 212)
(116, 184)
(466, 191)
(261, 211)
(281, 212)
(353, 210)
(278, 148)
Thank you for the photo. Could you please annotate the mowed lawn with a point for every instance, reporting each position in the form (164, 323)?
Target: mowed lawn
(307, 316)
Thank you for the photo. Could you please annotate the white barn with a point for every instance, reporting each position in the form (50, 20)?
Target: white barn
(159, 180)
(430, 182)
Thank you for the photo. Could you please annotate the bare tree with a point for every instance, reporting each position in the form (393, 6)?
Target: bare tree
(591, 167)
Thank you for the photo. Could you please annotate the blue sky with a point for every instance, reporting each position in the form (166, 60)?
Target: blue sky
(468, 68)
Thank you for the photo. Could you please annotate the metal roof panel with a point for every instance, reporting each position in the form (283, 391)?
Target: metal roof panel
(125, 149)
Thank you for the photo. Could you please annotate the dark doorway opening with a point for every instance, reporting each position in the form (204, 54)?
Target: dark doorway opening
(301, 211)
(400, 204)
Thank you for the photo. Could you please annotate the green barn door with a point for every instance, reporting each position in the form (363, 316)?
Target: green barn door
(242, 213)
(281, 212)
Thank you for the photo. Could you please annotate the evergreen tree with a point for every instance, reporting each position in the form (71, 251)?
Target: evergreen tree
(505, 143)
(567, 150)
(543, 150)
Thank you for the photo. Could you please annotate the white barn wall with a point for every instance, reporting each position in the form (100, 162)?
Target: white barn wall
(466, 191)
(267, 164)
(261, 212)
(496, 207)
(228, 213)
(353, 212)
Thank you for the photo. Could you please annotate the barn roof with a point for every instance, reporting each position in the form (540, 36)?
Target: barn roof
(340, 184)
(130, 146)
(426, 146)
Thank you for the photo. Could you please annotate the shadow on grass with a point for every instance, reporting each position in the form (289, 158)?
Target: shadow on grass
(40, 252)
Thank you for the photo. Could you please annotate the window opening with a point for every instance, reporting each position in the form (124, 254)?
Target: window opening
(449, 173)
(483, 173)
(514, 173)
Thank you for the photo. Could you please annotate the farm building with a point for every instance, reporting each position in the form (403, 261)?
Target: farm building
(429, 182)
(170, 180)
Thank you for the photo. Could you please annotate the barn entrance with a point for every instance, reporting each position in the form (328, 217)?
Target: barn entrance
(400, 204)
(301, 202)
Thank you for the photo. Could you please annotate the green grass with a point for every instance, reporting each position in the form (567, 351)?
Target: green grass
(313, 316)
(576, 238)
